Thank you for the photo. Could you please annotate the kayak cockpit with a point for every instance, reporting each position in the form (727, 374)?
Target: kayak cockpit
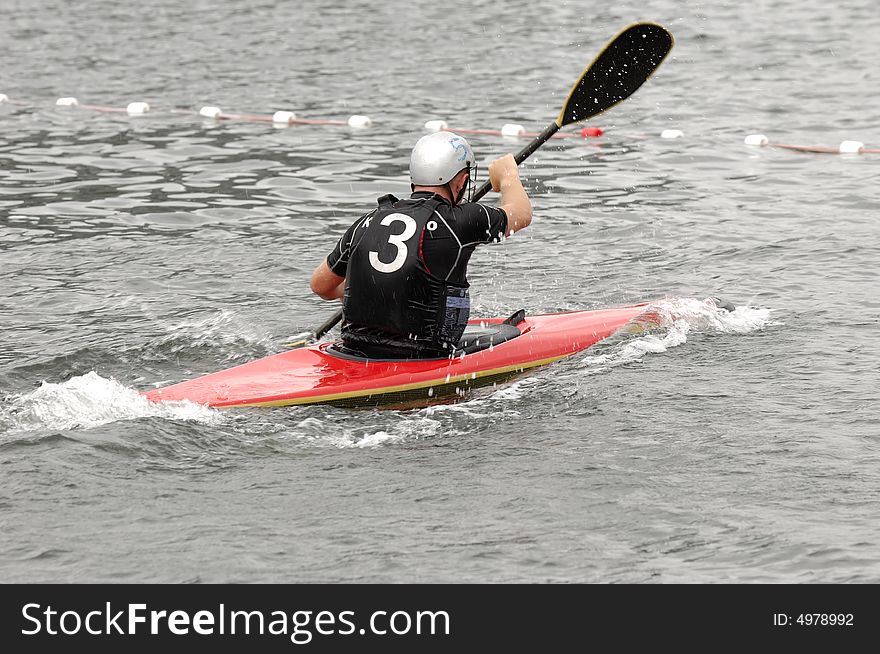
(476, 337)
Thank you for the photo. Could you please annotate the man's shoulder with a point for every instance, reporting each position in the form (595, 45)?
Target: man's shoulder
(479, 209)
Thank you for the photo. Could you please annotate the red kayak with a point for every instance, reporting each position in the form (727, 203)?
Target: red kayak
(492, 350)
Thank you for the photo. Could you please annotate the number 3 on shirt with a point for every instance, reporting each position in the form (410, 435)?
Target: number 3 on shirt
(398, 240)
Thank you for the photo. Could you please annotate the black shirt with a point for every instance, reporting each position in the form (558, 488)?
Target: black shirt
(405, 265)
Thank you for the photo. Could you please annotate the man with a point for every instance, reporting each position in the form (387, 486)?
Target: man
(401, 270)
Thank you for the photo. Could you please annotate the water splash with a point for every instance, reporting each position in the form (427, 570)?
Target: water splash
(705, 315)
(668, 323)
(90, 400)
(406, 428)
(222, 329)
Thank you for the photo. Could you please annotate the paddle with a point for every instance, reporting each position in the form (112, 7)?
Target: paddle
(626, 63)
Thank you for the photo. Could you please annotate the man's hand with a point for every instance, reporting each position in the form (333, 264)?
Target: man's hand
(502, 172)
(504, 175)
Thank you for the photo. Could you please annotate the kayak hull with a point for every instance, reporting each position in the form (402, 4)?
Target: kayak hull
(314, 375)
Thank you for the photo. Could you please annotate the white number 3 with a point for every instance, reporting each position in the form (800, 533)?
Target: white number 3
(397, 240)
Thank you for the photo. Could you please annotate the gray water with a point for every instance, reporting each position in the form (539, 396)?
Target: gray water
(138, 251)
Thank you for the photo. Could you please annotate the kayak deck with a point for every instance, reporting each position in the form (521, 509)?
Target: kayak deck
(314, 375)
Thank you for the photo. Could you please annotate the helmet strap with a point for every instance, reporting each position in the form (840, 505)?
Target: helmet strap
(455, 198)
(472, 181)
(465, 187)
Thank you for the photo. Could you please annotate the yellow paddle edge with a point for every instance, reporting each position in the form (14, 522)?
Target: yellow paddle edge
(643, 28)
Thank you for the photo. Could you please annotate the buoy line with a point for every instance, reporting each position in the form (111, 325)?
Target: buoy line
(288, 118)
(215, 113)
(759, 140)
(845, 147)
(510, 130)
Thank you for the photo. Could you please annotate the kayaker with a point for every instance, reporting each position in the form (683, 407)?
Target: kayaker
(401, 269)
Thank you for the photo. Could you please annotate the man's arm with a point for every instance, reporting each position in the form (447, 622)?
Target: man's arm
(504, 175)
(328, 280)
(327, 283)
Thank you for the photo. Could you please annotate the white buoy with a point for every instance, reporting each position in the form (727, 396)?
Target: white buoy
(137, 108)
(512, 129)
(756, 139)
(851, 147)
(3, 98)
(671, 134)
(360, 121)
(436, 125)
(66, 102)
(283, 117)
(210, 112)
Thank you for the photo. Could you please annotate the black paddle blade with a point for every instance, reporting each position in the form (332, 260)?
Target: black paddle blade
(620, 69)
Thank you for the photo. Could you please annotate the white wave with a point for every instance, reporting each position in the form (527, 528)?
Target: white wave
(91, 400)
(378, 438)
(404, 430)
(488, 402)
(514, 390)
(670, 321)
(705, 315)
(367, 436)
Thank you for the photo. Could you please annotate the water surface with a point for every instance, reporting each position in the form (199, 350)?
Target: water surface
(140, 251)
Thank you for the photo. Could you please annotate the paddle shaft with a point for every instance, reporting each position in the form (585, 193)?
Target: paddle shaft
(329, 324)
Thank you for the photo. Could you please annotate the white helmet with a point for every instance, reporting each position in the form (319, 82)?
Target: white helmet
(438, 157)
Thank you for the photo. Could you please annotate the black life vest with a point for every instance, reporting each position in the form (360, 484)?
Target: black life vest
(391, 299)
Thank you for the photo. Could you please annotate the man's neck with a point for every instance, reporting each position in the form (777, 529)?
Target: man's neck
(442, 191)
